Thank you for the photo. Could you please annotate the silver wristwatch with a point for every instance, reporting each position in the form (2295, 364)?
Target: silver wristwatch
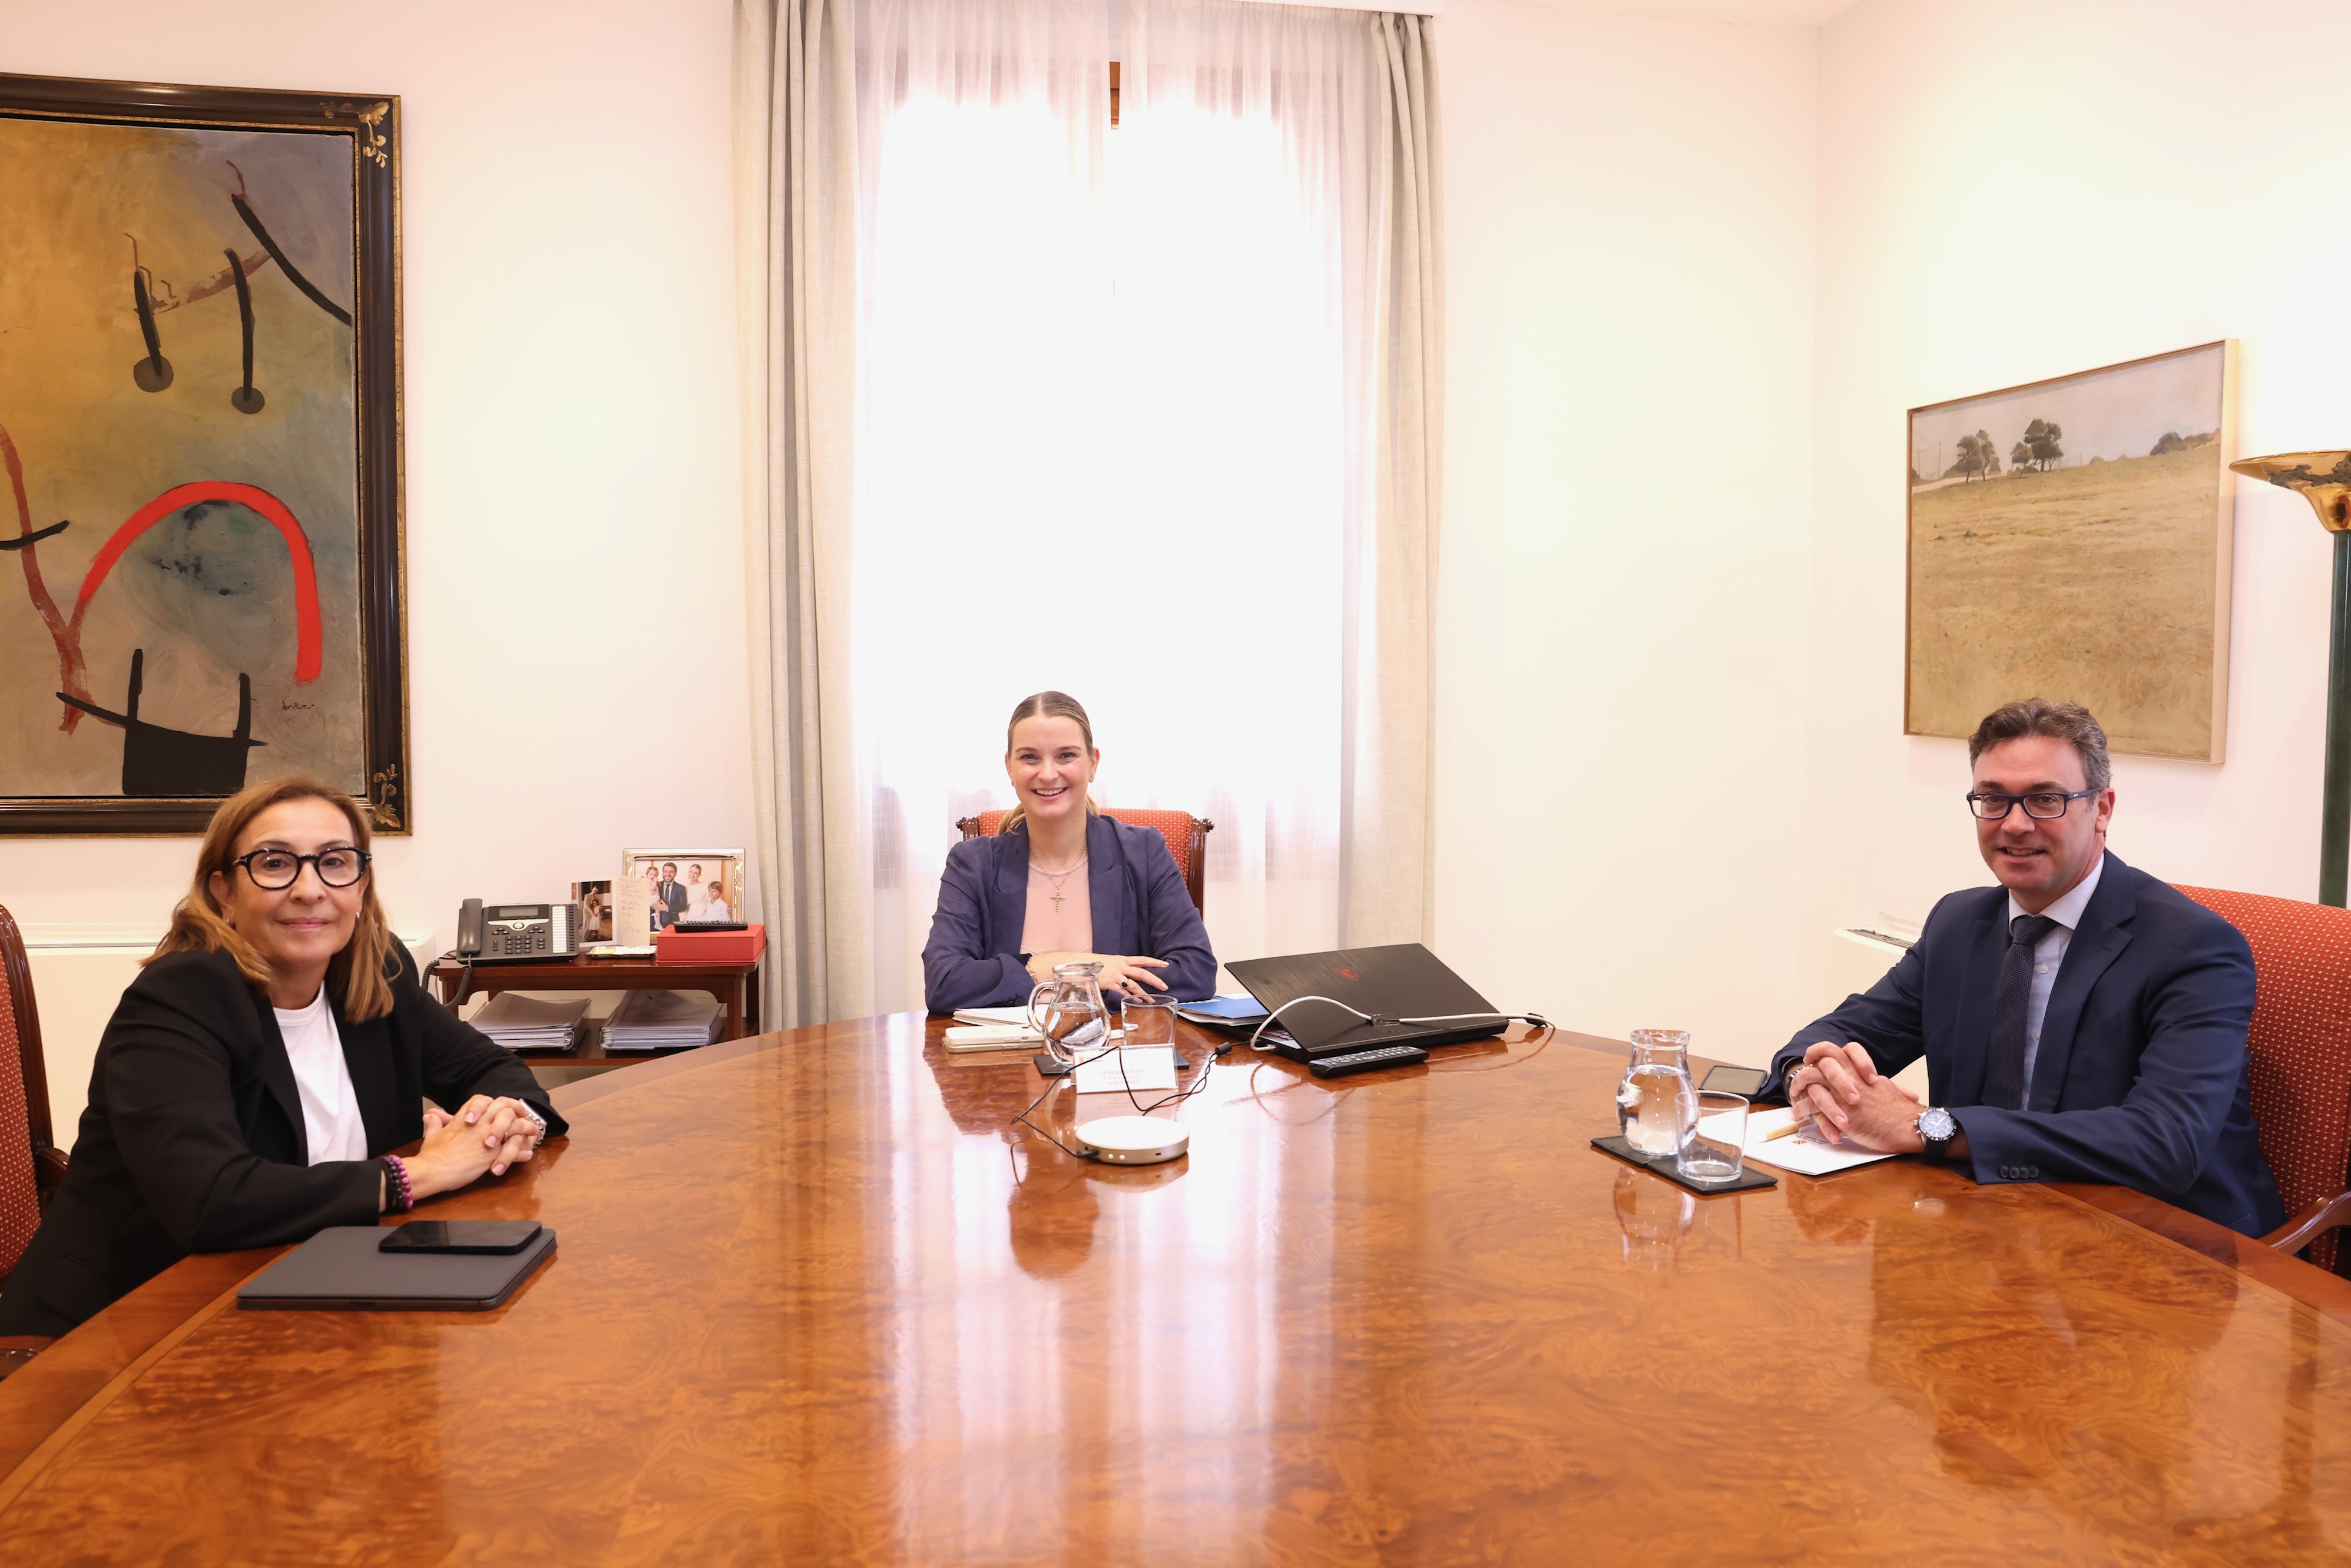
(1937, 1128)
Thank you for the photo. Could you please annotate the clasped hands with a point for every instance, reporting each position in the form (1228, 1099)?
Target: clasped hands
(485, 1135)
(1847, 1097)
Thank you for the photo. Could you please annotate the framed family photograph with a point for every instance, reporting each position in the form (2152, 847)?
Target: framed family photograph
(200, 536)
(698, 885)
(2071, 539)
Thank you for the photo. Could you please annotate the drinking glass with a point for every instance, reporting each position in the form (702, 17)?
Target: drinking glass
(1715, 1151)
(1149, 1021)
(1069, 1012)
(1651, 1112)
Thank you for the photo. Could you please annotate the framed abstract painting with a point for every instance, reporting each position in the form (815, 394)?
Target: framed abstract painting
(2071, 539)
(201, 532)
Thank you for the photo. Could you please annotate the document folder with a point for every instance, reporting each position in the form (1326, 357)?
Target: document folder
(340, 1270)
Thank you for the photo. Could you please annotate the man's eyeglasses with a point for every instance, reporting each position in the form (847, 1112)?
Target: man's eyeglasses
(1995, 807)
(274, 870)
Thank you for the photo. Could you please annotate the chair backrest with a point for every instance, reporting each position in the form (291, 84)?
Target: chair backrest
(1186, 836)
(24, 1101)
(2300, 1043)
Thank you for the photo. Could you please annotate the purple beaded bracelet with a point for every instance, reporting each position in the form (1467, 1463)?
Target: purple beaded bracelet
(402, 1198)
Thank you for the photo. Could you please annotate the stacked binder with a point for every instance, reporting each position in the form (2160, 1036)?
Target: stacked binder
(663, 1020)
(523, 1023)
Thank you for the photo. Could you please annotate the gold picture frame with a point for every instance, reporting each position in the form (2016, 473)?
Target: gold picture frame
(2071, 538)
(705, 876)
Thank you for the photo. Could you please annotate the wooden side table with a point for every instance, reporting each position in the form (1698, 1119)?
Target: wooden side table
(736, 985)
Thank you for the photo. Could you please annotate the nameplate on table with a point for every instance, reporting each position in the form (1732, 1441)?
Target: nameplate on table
(1146, 1067)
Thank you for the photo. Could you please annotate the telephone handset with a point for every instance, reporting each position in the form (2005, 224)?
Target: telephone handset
(517, 932)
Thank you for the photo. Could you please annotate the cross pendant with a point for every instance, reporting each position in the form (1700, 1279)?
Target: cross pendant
(1057, 904)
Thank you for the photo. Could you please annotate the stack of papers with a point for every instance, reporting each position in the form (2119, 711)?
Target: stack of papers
(663, 1020)
(523, 1023)
(995, 1017)
(992, 1037)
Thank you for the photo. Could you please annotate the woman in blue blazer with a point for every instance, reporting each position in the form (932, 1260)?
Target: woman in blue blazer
(1061, 883)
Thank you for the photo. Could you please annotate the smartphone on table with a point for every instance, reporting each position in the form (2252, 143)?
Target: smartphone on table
(507, 1235)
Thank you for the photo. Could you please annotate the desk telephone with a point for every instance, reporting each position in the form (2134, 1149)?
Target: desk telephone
(517, 932)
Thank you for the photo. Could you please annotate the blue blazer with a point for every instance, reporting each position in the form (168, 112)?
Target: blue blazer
(2142, 1078)
(1140, 908)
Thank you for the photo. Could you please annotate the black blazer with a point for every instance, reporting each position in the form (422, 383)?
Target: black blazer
(192, 1140)
(2142, 1078)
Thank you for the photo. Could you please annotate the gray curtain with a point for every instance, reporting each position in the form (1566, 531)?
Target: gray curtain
(1388, 740)
(796, 265)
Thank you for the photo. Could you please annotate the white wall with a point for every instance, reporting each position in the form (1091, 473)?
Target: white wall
(1667, 541)
(2019, 188)
(572, 438)
(1629, 221)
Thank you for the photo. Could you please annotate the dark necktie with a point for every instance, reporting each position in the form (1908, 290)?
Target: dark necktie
(2004, 1069)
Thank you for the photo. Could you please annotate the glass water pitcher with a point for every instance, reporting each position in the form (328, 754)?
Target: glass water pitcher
(1656, 1104)
(1067, 1011)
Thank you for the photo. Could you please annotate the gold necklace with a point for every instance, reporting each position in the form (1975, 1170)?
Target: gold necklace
(1058, 878)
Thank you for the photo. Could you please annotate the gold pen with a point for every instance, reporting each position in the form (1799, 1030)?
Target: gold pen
(1790, 1127)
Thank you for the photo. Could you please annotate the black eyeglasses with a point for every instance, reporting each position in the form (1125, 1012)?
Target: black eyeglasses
(274, 870)
(1995, 807)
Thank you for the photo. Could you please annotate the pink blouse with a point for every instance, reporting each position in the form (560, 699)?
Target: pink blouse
(1064, 927)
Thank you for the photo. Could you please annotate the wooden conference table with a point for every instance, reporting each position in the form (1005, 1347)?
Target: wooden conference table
(811, 1304)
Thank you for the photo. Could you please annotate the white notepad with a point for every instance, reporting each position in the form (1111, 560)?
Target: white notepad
(1805, 1153)
(985, 1017)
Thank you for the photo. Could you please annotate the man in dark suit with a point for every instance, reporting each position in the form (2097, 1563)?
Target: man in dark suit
(2082, 1022)
(669, 897)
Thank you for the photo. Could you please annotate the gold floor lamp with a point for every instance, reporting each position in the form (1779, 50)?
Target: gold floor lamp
(2324, 478)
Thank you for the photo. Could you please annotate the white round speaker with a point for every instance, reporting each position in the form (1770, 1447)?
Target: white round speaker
(1132, 1139)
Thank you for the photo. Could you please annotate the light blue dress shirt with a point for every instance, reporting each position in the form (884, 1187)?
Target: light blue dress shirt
(2048, 954)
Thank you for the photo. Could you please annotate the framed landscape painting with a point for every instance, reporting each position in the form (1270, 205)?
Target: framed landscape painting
(2071, 539)
(200, 531)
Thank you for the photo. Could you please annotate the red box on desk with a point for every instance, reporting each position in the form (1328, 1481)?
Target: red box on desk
(742, 946)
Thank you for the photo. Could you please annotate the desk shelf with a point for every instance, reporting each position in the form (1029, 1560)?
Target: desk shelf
(736, 986)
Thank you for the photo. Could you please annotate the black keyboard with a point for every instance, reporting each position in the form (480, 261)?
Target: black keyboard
(1369, 1060)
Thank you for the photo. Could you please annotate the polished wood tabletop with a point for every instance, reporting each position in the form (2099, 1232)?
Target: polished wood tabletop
(817, 1301)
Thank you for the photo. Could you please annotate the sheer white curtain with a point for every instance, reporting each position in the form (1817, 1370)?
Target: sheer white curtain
(1118, 431)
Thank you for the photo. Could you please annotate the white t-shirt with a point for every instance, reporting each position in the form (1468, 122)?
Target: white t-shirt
(330, 1107)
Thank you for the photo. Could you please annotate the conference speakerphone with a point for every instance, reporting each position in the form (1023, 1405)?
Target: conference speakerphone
(1132, 1139)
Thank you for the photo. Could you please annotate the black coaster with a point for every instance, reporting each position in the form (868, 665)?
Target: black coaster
(1750, 1178)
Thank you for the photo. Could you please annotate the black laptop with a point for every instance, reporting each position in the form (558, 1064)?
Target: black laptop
(1403, 982)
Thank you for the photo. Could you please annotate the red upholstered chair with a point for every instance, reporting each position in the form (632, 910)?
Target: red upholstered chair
(1186, 836)
(2301, 1046)
(31, 1167)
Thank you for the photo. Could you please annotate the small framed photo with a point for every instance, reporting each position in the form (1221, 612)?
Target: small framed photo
(595, 902)
(688, 884)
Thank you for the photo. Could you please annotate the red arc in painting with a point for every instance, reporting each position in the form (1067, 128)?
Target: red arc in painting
(308, 638)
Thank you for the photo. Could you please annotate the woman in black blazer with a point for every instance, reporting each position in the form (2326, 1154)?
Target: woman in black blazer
(255, 1077)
